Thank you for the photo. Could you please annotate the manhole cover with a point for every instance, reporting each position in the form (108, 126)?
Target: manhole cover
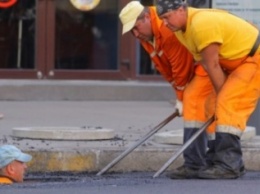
(64, 133)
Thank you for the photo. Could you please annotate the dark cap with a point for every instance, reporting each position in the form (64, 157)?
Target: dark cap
(163, 6)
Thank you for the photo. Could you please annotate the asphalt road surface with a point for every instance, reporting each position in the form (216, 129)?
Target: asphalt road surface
(130, 183)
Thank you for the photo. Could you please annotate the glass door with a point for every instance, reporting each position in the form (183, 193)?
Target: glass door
(85, 44)
(18, 35)
(52, 39)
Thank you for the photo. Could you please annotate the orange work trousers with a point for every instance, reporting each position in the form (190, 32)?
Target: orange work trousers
(232, 106)
(197, 95)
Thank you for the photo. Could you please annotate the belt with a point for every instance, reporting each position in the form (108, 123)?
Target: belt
(255, 47)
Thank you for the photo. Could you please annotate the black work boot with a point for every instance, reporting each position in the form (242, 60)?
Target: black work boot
(183, 172)
(210, 153)
(227, 160)
(194, 156)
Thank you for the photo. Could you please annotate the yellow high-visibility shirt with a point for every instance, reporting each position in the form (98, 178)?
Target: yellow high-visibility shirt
(206, 26)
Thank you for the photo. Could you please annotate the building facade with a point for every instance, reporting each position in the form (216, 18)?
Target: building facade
(52, 39)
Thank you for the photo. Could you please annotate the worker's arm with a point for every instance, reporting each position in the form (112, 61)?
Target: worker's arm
(210, 61)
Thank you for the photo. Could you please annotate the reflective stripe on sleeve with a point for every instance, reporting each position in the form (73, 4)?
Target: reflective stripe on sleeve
(160, 53)
(152, 54)
(180, 87)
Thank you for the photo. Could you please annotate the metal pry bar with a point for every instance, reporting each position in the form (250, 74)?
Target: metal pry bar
(130, 149)
(184, 147)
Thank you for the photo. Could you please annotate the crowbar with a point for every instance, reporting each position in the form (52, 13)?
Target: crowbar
(184, 147)
(130, 149)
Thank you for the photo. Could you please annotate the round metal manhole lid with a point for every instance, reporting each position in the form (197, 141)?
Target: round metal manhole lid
(64, 133)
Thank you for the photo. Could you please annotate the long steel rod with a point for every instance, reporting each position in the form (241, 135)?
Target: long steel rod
(184, 147)
(130, 149)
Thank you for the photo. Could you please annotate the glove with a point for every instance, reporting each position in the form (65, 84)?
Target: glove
(179, 107)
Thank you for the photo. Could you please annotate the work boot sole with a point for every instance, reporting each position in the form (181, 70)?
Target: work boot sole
(183, 173)
(217, 172)
(176, 176)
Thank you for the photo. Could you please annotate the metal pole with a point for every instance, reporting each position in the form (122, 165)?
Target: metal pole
(130, 149)
(180, 151)
(19, 43)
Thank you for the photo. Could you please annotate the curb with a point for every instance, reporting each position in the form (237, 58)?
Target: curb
(56, 90)
(93, 160)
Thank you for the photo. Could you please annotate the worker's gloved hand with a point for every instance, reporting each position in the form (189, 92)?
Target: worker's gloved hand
(178, 107)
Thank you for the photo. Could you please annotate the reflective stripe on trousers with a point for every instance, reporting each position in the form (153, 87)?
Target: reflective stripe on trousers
(195, 101)
(233, 105)
(238, 97)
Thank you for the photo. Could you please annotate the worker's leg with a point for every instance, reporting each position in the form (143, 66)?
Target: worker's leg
(235, 103)
(194, 117)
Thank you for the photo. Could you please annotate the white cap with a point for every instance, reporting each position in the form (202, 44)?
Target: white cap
(129, 15)
(9, 153)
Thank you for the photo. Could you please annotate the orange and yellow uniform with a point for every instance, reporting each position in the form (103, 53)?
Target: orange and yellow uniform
(239, 94)
(174, 62)
(5, 181)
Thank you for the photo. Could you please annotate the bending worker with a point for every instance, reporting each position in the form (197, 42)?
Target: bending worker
(176, 65)
(12, 164)
(228, 48)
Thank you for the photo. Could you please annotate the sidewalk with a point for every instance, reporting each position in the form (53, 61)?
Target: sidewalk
(130, 120)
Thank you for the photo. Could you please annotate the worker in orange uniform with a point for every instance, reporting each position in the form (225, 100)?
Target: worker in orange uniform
(228, 48)
(177, 66)
(12, 164)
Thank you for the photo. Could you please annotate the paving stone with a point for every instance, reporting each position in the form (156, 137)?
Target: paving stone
(169, 137)
(176, 136)
(249, 133)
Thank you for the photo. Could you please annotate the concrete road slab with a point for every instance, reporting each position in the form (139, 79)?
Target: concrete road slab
(176, 136)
